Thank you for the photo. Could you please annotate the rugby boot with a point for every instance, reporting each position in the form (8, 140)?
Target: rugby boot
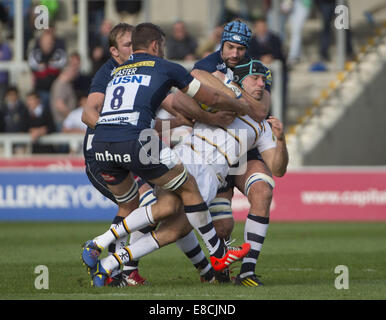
(127, 279)
(209, 276)
(99, 275)
(248, 281)
(223, 276)
(90, 253)
(232, 254)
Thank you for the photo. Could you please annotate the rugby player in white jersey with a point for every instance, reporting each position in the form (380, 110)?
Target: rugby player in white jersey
(256, 181)
(257, 186)
(208, 155)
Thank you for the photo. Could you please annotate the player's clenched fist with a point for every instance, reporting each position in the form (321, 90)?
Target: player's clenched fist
(277, 127)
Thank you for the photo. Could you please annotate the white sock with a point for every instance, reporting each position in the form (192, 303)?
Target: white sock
(119, 243)
(133, 265)
(136, 220)
(140, 248)
(143, 246)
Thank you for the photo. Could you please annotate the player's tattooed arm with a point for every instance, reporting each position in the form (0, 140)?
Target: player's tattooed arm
(191, 110)
(210, 80)
(216, 99)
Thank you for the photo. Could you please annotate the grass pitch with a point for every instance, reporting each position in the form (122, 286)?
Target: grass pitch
(297, 262)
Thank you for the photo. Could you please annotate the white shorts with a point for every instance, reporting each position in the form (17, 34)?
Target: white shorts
(204, 174)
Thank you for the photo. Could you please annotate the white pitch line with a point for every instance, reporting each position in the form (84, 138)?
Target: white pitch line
(142, 294)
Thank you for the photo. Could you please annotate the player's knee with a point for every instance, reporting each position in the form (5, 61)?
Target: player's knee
(224, 227)
(260, 198)
(260, 192)
(259, 187)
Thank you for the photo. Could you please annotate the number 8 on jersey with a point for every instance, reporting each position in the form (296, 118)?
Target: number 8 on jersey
(119, 101)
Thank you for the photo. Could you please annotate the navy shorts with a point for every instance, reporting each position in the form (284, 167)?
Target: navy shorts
(94, 175)
(117, 159)
(253, 154)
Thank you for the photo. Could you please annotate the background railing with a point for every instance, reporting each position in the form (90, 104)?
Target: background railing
(9, 141)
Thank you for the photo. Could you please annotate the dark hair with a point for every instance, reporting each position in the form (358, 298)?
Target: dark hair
(144, 34)
(33, 93)
(12, 89)
(119, 30)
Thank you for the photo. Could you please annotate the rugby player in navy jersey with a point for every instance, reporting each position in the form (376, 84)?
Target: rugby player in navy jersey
(120, 50)
(121, 147)
(256, 182)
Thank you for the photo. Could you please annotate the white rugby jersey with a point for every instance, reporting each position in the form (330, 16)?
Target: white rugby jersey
(226, 145)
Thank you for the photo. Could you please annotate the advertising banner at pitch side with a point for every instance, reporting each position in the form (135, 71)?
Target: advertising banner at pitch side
(58, 189)
(50, 189)
(325, 194)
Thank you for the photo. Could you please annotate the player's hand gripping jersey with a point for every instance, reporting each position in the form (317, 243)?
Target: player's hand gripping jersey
(133, 95)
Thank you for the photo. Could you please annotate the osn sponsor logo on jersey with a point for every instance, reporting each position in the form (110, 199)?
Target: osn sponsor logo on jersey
(128, 79)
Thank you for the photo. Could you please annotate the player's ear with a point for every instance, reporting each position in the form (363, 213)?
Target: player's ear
(114, 52)
(154, 45)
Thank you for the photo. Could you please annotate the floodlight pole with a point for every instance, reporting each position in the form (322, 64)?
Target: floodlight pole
(147, 10)
(19, 34)
(83, 35)
(276, 16)
(340, 43)
(277, 68)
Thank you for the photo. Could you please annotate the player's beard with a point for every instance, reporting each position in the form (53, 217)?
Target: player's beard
(260, 96)
(232, 64)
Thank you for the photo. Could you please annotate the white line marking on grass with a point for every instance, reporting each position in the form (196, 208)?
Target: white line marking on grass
(147, 295)
(313, 269)
(300, 269)
(291, 269)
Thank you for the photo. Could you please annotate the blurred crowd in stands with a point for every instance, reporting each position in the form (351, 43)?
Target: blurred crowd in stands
(60, 87)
